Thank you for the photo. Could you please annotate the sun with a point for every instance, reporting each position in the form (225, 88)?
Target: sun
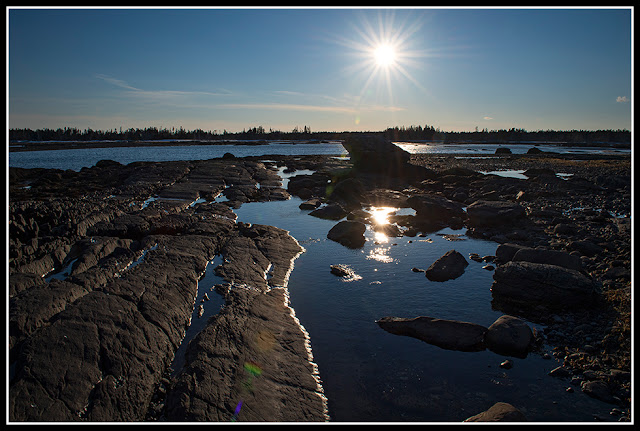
(384, 55)
(385, 48)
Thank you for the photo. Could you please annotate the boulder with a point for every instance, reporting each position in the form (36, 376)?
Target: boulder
(348, 233)
(373, 154)
(509, 336)
(310, 204)
(446, 334)
(350, 191)
(331, 211)
(541, 283)
(499, 412)
(598, 389)
(507, 252)
(494, 213)
(451, 265)
(435, 207)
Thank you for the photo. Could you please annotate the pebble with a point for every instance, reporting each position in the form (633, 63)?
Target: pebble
(508, 364)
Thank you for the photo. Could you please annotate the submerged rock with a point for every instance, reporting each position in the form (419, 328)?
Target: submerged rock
(446, 334)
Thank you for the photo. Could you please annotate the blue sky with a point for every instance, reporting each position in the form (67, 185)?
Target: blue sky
(231, 69)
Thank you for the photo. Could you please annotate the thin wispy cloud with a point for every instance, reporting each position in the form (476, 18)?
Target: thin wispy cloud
(487, 118)
(313, 108)
(134, 91)
(622, 99)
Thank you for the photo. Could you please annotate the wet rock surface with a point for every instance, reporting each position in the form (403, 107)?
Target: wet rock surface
(104, 268)
(126, 246)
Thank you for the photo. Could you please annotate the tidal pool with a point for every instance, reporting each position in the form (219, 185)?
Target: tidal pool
(369, 375)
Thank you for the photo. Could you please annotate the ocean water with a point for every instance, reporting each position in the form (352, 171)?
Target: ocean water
(78, 158)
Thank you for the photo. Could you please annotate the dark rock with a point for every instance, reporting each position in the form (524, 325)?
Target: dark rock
(372, 154)
(506, 364)
(560, 372)
(435, 208)
(310, 204)
(585, 247)
(599, 390)
(350, 191)
(494, 213)
(503, 150)
(348, 233)
(306, 186)
(550, 285)
(332, 211)
(449, 266)
(446, 334)
(499, 412)
(509, 336)
(273, 363)
(344, 271)
(550, 257)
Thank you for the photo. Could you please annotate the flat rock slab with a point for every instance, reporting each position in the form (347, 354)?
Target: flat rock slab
(251, 363)
(446, 334)
(97, 345)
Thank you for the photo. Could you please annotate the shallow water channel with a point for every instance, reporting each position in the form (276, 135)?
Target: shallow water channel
(369, 375)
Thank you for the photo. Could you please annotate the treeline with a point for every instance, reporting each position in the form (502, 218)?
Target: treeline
(429, 133)
(153, 134)
(411, 133)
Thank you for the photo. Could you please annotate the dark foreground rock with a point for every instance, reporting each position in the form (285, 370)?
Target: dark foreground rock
(246, 366)
(499, 412)
(103, 271)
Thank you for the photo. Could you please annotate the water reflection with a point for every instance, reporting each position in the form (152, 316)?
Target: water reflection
(383, 229)
(380, 215)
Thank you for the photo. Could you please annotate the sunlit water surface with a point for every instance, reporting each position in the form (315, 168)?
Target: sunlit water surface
(371, 375)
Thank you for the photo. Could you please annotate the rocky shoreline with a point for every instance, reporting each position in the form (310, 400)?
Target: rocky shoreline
(95, 343)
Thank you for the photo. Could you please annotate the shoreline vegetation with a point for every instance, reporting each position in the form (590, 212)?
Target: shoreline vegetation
(64, 138)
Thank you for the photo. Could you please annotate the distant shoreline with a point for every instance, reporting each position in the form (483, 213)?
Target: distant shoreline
(20, 146)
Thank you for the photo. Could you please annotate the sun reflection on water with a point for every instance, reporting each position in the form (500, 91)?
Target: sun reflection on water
(380, 218)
